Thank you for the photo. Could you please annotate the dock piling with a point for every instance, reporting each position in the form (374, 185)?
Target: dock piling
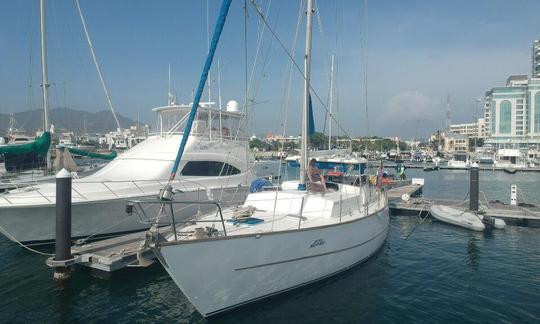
(63, 223)
(474, 187)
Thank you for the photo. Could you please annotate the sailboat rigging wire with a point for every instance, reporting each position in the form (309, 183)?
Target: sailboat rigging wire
(98, 68)
(313, 91)
(204, 76)
(259, 41)
(266, 61)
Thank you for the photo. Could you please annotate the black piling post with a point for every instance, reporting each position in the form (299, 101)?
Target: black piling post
(63, 223)
(474, 187)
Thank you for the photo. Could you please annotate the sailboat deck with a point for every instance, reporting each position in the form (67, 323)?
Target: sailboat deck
(288, 210)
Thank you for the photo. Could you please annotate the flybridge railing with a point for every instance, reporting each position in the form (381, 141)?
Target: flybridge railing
(128, 188)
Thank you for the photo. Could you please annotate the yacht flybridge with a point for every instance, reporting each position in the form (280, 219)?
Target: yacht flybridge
(281, 237)
(215, 166)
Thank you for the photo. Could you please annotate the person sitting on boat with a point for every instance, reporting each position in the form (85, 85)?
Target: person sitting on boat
(316, 180)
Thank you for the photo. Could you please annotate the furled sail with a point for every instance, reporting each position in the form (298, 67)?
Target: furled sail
(311, 118)
(40, 146)
(94, 155)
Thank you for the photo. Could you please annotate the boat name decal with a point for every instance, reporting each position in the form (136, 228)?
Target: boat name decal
(317, 242)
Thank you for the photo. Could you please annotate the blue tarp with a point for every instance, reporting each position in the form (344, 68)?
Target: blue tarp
(258, 184)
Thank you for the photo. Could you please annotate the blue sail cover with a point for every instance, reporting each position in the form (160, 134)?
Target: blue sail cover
(311, 118)
(204, 76)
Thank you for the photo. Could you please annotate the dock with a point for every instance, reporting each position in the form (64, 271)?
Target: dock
(411, 190)
(482, 167)
(519, 215)
(115, 253)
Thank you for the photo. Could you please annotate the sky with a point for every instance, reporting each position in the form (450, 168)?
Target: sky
(396, 61)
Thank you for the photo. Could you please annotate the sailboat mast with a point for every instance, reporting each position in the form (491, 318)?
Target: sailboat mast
(45, 71)
(305, 116)
(45, 75)
(330, 104)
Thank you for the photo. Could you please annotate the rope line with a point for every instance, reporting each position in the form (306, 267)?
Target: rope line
(11, 237)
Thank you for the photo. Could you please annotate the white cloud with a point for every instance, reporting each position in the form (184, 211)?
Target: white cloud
(412, 105)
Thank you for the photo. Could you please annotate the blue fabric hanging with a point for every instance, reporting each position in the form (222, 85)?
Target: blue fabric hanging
(204, 76)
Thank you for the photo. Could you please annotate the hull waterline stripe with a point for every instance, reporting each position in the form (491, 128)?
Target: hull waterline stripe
(312, 256)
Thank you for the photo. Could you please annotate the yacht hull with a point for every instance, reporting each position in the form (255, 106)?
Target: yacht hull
(36, 223)
(219, 274)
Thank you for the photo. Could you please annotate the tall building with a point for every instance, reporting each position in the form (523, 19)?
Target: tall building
(513, 113)
(536, 59)
(471, 130)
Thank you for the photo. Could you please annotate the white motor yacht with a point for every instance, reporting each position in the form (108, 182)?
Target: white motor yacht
(216, 166)
(460, 160)
(509, 158)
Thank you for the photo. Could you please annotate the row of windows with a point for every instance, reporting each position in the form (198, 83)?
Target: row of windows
(208, 168)
(505, 118)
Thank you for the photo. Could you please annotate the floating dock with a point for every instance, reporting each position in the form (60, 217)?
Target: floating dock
(408, 165)
(411, 190)
(520, 214)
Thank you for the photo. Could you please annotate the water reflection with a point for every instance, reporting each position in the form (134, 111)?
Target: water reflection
(473, 253)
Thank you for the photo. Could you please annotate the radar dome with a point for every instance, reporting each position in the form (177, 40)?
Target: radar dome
(232, 106)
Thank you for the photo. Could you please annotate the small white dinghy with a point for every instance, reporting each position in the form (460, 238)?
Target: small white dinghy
(462, 218)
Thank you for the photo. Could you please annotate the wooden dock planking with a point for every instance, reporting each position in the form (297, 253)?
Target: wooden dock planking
(114, 253)
(411, 190)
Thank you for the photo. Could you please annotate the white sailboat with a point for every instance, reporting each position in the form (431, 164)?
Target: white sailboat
(279, 239)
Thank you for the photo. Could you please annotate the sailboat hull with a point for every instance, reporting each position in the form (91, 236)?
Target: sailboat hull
(220, 274)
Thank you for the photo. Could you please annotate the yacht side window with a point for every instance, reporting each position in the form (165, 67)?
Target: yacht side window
(208, 168)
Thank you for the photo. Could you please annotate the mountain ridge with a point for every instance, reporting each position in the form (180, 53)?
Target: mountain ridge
(66, 119)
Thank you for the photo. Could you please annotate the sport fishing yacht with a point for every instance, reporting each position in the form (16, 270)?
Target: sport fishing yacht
(215, 166)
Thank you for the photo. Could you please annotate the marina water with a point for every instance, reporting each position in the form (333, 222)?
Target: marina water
(441, 273)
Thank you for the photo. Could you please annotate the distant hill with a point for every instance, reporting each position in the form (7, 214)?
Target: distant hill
(66, 119)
